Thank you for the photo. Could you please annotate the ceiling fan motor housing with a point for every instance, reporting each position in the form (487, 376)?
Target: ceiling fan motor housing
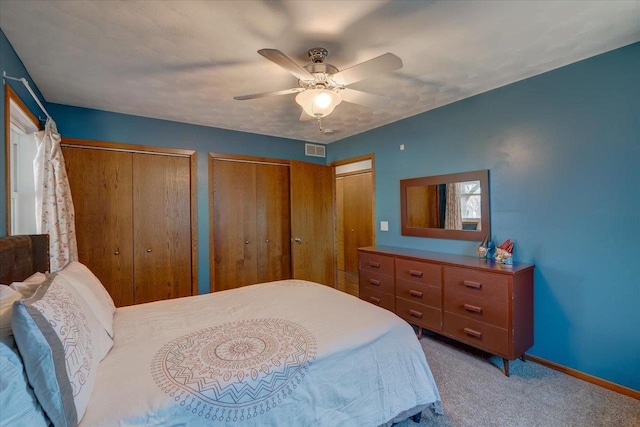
(319, 69)
(317, 54)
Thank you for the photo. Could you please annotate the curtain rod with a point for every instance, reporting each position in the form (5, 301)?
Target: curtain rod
(33, 94)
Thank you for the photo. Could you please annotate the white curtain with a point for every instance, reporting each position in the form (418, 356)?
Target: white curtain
(453, 212)
(54, 208)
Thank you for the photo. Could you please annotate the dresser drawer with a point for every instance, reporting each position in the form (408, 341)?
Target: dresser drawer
(378, 281)
(478, 283)
(377, 298)
(376, 262)
(419, 314)
(417, 292)
(489, 311)
(478, 334)
(417, 271)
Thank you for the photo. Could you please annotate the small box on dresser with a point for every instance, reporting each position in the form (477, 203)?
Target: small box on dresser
(481, 303)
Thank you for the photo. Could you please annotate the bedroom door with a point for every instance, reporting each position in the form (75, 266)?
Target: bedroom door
(312, 222)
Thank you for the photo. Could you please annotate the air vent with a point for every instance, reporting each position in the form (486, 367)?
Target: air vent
(314, 150)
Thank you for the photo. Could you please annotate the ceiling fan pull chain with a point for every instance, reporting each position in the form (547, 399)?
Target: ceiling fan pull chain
(320, 124)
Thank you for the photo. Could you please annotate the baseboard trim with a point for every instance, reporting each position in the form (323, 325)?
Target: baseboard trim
(586, 377)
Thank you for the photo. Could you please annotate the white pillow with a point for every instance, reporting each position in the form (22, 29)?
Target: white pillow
(30, 284)
(7, 297)
(93, 292)
(61, 343)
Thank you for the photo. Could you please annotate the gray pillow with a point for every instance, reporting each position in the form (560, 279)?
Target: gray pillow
(61, 343)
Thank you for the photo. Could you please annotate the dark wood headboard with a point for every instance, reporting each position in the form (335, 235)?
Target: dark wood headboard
(21, 256)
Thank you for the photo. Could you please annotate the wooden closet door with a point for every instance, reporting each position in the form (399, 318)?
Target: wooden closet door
(340, 224)
(312, 223)
(273, 223)
(162, 227)
(358, 225)
(234, 229)
(100, 183)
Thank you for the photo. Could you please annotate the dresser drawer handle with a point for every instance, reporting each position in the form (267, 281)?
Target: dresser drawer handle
(474, 285)
(374, 264)
(415, 314)
(473, 308)
(415, 273)
(374, 300)
(473, 333)
(416, 294)
(374, 282)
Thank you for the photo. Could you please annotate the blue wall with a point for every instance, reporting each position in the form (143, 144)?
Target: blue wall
(563, 153)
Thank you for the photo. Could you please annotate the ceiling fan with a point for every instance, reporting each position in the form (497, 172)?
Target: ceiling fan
(323, 87)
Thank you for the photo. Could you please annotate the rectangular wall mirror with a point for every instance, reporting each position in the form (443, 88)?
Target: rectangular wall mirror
(453, 206)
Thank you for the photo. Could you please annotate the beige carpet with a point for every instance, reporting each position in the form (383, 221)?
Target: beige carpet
(476, 393)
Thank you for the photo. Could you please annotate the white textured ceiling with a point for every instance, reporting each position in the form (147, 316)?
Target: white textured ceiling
(186, 60)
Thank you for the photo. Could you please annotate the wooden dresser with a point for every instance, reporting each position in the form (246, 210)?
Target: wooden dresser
(486, 305)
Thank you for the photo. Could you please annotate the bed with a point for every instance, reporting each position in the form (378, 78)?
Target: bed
(290, 352)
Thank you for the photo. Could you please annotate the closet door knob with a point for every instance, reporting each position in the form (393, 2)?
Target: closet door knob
(117, 252)
(246, 243)
(297, 240)
(266, 240)
(148, 249)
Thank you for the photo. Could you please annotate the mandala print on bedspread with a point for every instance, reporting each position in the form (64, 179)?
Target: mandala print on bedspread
(237, 370)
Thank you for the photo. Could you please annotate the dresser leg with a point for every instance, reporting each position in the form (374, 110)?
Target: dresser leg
(419, 335)
(522, 358)
(505, 362)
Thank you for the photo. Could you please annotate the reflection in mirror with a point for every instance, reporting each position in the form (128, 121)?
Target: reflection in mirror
(452, 206)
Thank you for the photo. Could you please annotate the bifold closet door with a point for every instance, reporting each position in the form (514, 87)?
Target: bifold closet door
(251, 223)
(162, 227)
(101, 189)
(357, 193)
(234, 229)
(273, 223)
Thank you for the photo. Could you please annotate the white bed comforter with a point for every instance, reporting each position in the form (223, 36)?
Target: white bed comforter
(287, 353)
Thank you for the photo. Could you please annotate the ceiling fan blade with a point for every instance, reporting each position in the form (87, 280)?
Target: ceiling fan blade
(265, 94)
(378, 65)
(363, 98)
(287, 63)
(304, 117)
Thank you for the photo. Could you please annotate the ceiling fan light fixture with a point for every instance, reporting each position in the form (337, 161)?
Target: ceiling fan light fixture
(318, 102)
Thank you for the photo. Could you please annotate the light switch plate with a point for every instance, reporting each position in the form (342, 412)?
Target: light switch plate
(384, 225)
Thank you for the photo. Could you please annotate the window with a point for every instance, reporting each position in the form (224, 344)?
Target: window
(21, 215)
(470, 203)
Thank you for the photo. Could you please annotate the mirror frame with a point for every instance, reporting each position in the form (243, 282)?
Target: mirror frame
(474, 235)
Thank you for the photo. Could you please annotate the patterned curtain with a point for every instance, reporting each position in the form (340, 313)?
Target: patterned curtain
(453, 213)
(54, 207)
